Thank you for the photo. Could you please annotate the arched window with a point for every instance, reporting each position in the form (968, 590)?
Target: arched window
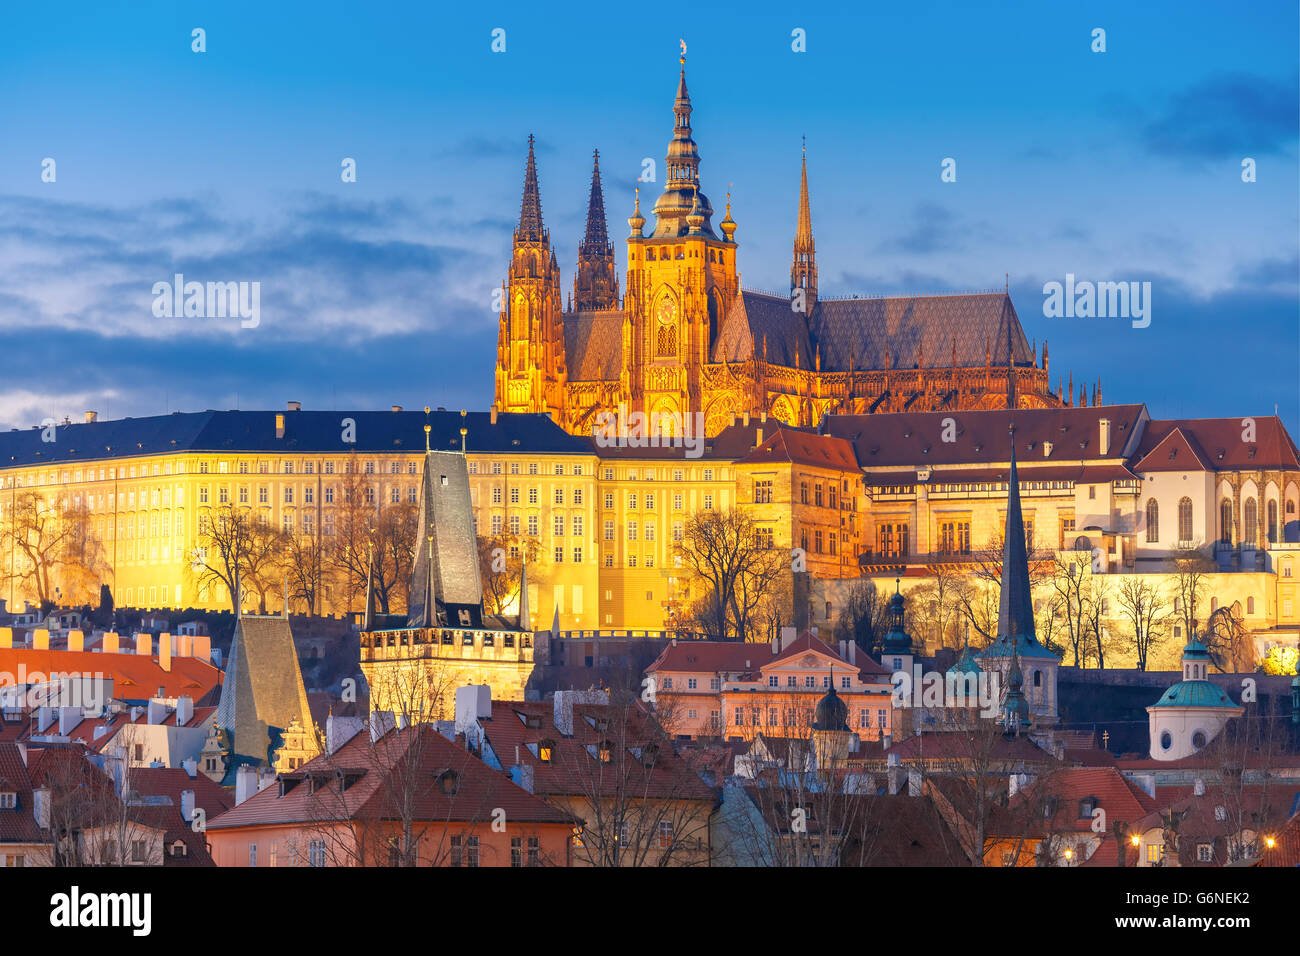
(1225, 521)
(1251, 521)
(1153, 521)
(1184, 519)
(1166, 740)
(1270, 526)
(666, 341)
(1198, 739)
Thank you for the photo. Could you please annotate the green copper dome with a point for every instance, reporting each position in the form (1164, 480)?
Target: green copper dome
(1195, 693)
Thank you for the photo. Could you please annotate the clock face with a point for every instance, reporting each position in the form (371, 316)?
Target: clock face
(667, 312)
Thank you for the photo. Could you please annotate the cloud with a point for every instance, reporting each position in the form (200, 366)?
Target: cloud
(1226, 116)
(932, 228)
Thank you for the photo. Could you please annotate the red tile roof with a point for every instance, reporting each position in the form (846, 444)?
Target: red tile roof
(818, 451)
(17, 825)
(1219, 442)
(380, 773)
(135, 676)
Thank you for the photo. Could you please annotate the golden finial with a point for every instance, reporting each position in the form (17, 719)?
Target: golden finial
(682, 58)
(427, 428)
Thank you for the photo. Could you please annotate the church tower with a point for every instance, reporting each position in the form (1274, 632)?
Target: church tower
(681, 278)
(595, 287)
(530, 343)
(803, 270)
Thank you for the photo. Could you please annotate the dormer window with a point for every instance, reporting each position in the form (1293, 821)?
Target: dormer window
(8, 800)
(1086, 806)
(545, 750)
(449, 782)
(605, 752)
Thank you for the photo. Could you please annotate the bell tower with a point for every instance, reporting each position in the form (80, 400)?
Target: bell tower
(595, 287)
(531, 373)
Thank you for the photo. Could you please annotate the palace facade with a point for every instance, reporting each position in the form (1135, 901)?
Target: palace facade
(682, 338)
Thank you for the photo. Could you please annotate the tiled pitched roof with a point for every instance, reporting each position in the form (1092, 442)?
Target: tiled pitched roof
(403, 764)
(135, 676)
(910, 440)
(788, 445)
(1175, 452)
(17, 825)
(593, 345)
(711, 656)
(753, 319)
(1120, 798)
(574, 770)
(209, 797)
(857, 332)
(1219, 441)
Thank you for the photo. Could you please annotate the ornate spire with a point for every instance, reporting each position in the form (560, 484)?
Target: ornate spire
(525, 617)
(530, 211)
(682, 184)
(803, 268)
(1015, 606)
(596, 240)
(636, 221)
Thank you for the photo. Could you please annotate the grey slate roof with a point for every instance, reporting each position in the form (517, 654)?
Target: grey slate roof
(305, 431)
(263, 690)
(856, 333)
(593, 345)
(447, 517)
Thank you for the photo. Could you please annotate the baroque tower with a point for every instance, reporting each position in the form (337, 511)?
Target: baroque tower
(681, 278)
(803, 268)
(595, 287)
(530, 373)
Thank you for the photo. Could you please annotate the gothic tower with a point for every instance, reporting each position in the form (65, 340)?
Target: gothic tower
(680, 280)
(530, 344)
(595, 287)
(803, 269)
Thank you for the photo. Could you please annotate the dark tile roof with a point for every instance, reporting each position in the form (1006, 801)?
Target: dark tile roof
(17, 825)
(593, 345)
(753, 318)
(305, 431)
(788, 445)
(910, 440)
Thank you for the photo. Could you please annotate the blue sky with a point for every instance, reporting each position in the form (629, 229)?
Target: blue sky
(224, 165)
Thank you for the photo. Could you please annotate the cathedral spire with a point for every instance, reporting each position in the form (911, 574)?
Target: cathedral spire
(530, 212)
(803, 268)
(682, 184)
(1015, 608)
(595, 286)
(596, 239)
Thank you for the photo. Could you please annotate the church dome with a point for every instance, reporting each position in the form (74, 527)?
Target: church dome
(831, 713)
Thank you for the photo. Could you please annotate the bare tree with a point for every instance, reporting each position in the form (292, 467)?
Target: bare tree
(501, 562)
(730, 570)
(1070, 582)
(52, 543)
(1147, 611)
(1191, 566)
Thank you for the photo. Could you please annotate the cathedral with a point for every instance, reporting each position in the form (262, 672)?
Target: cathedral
(681, 339)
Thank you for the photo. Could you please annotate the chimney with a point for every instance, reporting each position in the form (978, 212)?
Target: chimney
(523, 776)
(381, 722)
(203, 647)
(279, 424)
(92, 417)
(6, 637)
(294, 406)
(339, 730)
(853, 652)
(758, 436)
(397, 408)
(184, 710)
(1047, 449)
(744, 419)
(245, 783)
(562, 710)
(265, 777)
(157, 710)
(473, 703)
(165, 651)
(41, 639)
(184, 646)
(776, 646)
(76, 640)
(109, 643)
(187, 804)
(1104, 425)
(41, 807)
(191, 767)
(69, 717)
(763, 417)
(44, 719)
(788, 635)
(144, 645)
(894, 773)
(493, 415)
(913, 783)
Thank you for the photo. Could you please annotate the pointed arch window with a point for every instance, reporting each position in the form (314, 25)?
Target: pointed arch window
(1184, 519)
(1251, 521)
(1225, 521)
(1271, 525)
(1153, 521)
